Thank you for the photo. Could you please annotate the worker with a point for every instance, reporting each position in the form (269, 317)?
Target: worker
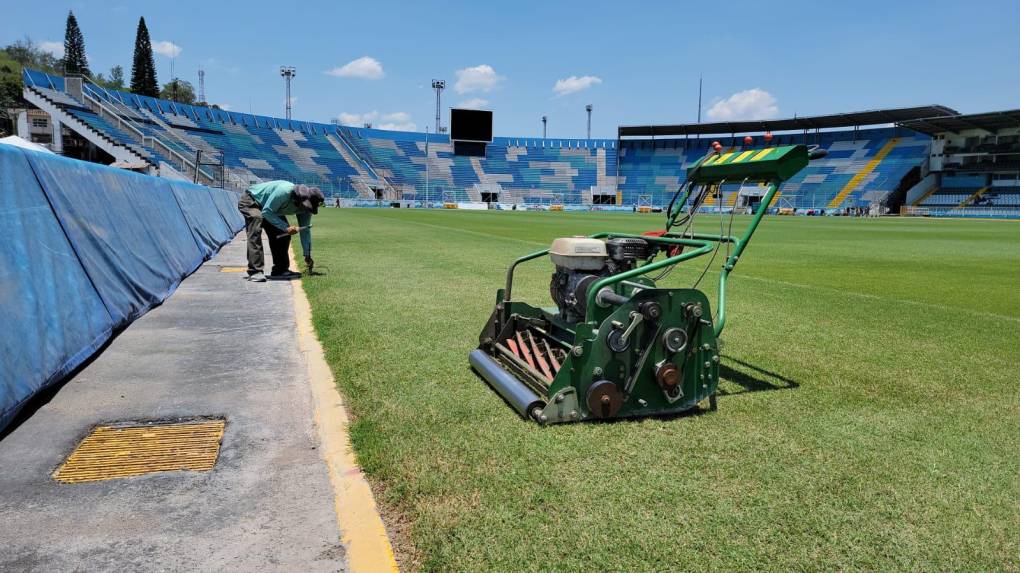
(265, 206)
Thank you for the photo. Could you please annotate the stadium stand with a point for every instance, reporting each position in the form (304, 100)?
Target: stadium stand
(526, 171)
(973, 168)
(863, 166)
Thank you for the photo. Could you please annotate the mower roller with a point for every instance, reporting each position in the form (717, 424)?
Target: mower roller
(617, 345)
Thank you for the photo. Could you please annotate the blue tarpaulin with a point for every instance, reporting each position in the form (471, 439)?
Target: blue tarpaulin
(90, 248)
(226, 202)
(207, 225)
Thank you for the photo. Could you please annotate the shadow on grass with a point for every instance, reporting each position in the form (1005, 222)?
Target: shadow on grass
(757, 380)
(318, 272)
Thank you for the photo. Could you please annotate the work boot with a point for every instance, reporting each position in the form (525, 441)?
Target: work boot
(287, 275)
(257, 278)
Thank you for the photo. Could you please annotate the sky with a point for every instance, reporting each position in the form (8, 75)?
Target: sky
(636, 62)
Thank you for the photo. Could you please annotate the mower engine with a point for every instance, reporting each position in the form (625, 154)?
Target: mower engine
(581, 261)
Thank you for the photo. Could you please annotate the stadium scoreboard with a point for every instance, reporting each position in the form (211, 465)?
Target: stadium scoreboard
(470, 131)
(471, 125)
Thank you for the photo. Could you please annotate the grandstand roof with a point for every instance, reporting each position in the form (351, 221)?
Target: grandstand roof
(853, 119)
(990, 121)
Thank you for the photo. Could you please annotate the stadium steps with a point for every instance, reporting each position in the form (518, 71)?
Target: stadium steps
(150, 137)
(348, 155)
(364, 168)
(856, 180)
(710, 200)
(137, 116)
(473, 193)
(119, 151)
(729, 198)
(973, 197)
(920, 200)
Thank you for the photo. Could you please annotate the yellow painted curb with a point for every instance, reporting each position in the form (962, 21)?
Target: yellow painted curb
(361, 527)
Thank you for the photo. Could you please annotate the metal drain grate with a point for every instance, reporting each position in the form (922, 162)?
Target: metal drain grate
(111, 452)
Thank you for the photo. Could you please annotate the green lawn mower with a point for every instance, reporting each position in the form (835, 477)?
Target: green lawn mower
(616, 345)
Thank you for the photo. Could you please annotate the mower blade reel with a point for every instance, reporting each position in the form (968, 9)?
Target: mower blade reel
(542, 365)
(515, 392)
(552, 357)
(524, 350)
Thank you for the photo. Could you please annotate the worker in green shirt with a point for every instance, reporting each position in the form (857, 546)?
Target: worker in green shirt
(265, 206)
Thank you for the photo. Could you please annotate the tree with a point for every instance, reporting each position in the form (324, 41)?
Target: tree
(114, 82)
(117, 77)
(22, 53)
(10, 89)
(143, 68)
(75, 60)
(180, 91)
(28, 54)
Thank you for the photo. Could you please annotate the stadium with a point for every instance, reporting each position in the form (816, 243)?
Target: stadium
(932, 161)
(421, 396)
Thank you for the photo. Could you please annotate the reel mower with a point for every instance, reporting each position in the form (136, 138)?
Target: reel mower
(616, 345)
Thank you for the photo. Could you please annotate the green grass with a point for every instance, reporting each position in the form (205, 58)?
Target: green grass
(869, 420)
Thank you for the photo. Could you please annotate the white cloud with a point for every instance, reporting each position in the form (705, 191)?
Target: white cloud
(54, 48)
(408, 126)
(396, 121)
(749, 104)
(575, 84)
(165, 48)
(399, 117)
(363, 67)
(474, 103)
(479, 78)
(358, 119)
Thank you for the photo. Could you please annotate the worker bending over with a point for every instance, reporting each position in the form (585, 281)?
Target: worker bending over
(266, 206)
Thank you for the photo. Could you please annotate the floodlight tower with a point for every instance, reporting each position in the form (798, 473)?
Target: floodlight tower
(201, 86)
(288, 73)
(588, 109)
(545, 120)
(439, 86)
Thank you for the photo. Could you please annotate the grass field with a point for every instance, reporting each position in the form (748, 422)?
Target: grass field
(869, 418)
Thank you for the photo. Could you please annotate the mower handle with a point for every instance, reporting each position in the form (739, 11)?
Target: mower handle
(685, 188)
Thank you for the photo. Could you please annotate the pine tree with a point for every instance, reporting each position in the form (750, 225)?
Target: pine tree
(75, 61)
(143, 68)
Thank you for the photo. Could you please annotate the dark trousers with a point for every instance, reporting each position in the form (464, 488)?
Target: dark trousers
(254, 224)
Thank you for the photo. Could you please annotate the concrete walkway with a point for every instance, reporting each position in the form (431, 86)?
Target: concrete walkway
(220, 346)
